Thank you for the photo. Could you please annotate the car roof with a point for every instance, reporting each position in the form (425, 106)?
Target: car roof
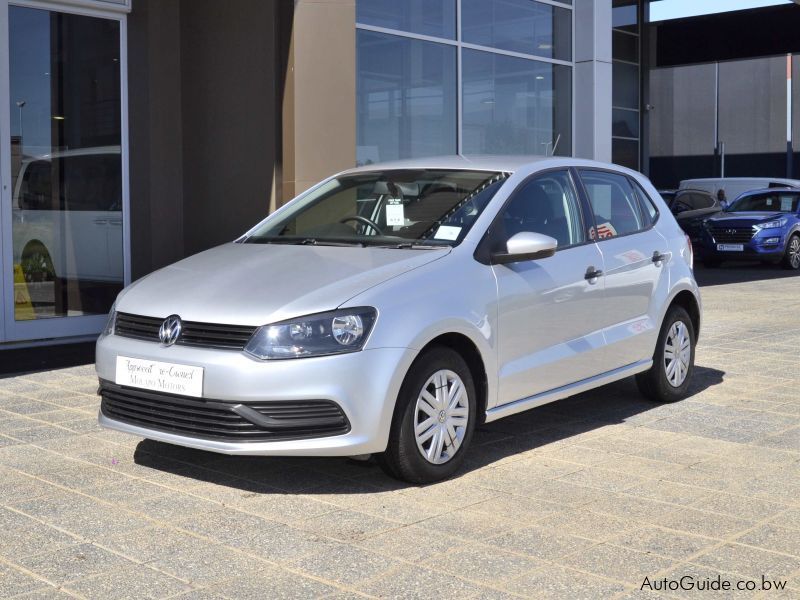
(508, 164)
(90, 151)
(791, 190)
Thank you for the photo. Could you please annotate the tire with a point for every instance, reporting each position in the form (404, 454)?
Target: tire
(403, 458)
(659, 383)
(791, 258)
(711, 263)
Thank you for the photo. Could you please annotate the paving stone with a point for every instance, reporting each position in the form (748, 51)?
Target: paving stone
(416, 582)
(345, 565)
(273, 583)
(346, 525)
(664, 543)
(541, 543)
(752, 562)
(556, 583)
(131, 583)
(14, 582)
(412, 543)
(772, 537)
(73, 562)
(617, 563)
(485, 564)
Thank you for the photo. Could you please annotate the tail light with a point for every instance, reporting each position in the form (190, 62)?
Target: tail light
(690, 258)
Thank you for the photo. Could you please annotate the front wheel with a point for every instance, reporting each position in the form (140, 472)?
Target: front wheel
(434, 419)
(673, 362)
(791, 259)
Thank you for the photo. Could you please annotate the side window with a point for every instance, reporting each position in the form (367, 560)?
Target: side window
(547, 204)
(613, 200)
(648, 207)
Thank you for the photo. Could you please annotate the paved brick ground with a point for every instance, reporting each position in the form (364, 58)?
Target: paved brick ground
(579, 499)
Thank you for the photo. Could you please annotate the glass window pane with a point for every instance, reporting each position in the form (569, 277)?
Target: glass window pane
(614, 203)
(406, 98)
(66, 163)
(624, 15)
(426, 17)
(625, 85)
(515, 106)
(518, 25)
(625, 123)
(625, 153)
(625, 46)
(547, 205)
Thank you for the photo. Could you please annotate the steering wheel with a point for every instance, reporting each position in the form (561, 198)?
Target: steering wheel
(365, 221)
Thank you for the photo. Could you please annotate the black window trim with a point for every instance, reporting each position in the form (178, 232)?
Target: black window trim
(483, 251)
(638, 201)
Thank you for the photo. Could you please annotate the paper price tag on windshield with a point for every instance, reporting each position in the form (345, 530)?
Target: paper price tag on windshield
(395, 215)
(786, 203)
(447, 232)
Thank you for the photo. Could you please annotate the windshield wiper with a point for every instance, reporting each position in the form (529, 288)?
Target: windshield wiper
(414, 246)
(300, 242)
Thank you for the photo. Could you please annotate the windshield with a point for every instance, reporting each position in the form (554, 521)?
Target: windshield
(767, 202)
(392, 208)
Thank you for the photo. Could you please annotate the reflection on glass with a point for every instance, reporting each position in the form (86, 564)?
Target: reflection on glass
(625, 93)
(625, 153)
(515, 106)
(625, 46)
(521, 26)
(624, 15)
(625, 123)
(65, 163)
(405, 97)
(427, 17)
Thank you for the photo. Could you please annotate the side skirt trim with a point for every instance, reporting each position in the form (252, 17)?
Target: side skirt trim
(512, 408)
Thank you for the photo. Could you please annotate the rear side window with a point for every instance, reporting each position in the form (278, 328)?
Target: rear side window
(648, 207)
(614, 203)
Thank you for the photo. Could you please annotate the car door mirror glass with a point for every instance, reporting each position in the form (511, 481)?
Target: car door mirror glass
(526, 245)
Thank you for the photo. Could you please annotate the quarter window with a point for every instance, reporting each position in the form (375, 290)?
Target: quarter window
(613, 201)
(547, 204)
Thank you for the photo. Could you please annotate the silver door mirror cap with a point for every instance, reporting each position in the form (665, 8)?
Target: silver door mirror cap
(526, 245)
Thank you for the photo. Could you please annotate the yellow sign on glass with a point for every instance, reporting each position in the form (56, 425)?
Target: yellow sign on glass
(23, 307)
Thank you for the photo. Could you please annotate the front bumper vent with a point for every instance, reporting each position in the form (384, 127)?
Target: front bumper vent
(222, 420)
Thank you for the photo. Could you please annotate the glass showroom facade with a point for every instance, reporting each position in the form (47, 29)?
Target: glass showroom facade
(472, 77)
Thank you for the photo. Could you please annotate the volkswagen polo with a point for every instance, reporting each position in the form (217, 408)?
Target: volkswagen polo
(392, 308)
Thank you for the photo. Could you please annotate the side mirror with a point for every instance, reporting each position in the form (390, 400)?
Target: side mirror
(526, 245)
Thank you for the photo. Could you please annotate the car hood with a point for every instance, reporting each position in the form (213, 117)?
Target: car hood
(255, 284)
(744, 218)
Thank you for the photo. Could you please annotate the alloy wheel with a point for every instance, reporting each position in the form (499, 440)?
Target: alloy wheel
(677, 354)
(441, 416)
(794, 252)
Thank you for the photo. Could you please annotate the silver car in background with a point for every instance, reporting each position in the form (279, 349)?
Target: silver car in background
(392, 308)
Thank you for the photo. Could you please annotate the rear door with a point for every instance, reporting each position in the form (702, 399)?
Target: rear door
(547, 336)
(634, 255)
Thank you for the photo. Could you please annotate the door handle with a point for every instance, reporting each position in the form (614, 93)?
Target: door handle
(658, 258)
(592, 274)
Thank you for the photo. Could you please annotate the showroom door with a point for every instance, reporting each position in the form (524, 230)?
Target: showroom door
(64, 176)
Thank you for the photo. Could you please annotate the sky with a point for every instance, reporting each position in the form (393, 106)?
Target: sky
(676, 9)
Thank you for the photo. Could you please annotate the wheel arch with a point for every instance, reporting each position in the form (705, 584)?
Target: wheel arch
(688, 301)
(467, 349)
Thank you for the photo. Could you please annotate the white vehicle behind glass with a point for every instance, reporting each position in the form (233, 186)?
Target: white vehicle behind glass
(67, 216)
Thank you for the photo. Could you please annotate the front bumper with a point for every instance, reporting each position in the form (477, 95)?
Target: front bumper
(363, 384)
(754, 249)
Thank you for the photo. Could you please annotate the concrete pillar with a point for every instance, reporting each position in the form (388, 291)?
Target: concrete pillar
(593, 79)
(319, 120)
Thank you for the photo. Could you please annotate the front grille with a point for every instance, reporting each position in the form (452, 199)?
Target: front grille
(732, 235)
(202, 335)
(219, 420)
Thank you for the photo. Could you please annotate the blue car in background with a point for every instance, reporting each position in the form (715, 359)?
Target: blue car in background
(759, 225)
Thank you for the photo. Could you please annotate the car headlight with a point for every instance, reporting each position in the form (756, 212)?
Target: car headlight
(777, 224)
(334, 332)
(111, 322)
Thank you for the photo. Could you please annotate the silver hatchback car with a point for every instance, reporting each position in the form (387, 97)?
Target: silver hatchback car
(392, 308)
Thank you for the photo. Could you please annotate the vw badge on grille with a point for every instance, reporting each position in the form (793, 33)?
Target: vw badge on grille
(170, 330)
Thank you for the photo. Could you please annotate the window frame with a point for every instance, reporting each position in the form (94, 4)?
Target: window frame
(639, 207)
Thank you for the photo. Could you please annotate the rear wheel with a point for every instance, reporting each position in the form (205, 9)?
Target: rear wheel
(791, 259)
(434, 419)
(673, 362)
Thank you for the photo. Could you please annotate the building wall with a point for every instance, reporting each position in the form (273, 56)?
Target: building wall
(204, 124)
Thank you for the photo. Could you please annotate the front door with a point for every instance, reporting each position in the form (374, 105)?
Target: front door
(548, 336)
(63, 252)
